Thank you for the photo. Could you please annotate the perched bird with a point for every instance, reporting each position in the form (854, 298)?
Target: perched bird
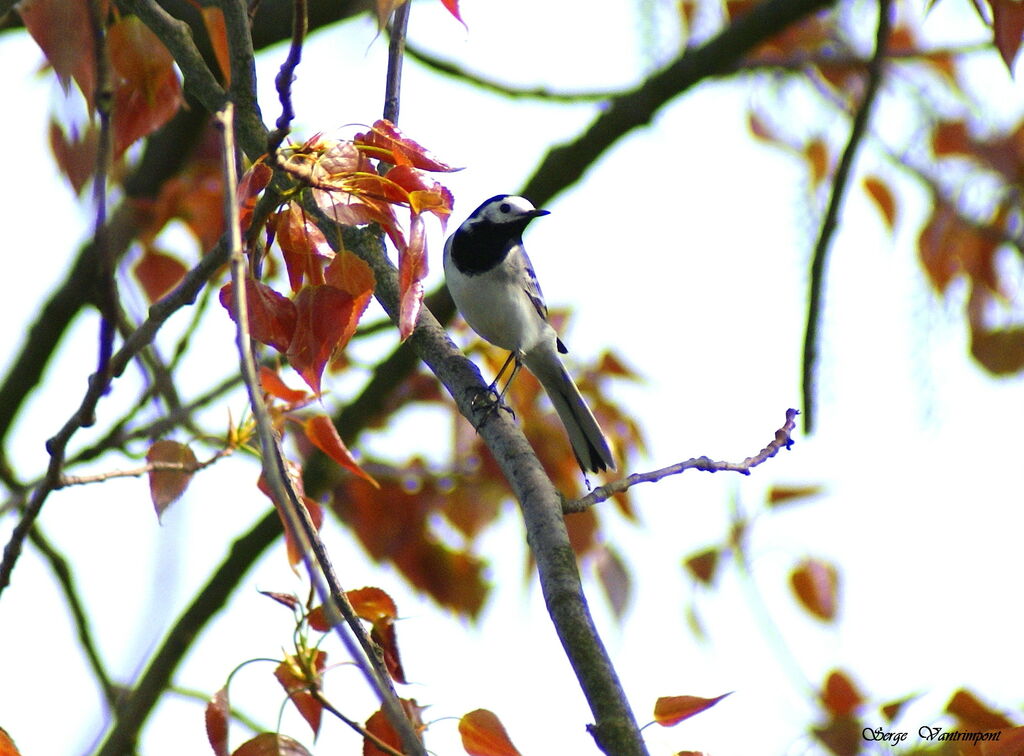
(494, 286)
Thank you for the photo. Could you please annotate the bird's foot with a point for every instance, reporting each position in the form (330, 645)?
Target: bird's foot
(485, 403)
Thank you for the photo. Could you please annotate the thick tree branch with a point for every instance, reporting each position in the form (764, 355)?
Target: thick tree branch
(564, 165)
(830, 222)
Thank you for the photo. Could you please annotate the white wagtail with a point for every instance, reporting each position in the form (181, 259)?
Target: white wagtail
(494, 286)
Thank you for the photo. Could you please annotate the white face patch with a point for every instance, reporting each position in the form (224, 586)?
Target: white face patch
(507, 209)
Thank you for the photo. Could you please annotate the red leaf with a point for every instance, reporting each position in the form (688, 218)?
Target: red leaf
(165, 486)
(271, 744)
(704, 565)
(388, 143)
(379, 726)
(840, 696)
(62, 31)
(148, 93)
(453, 7)
(285, 599)
(353, 275)
(484, 735)
(253, 182)
(816, 585)
(321, 314)
(158, 273)
(378, 608)
(217, 716)
(321, 431)
(297, 677)
(1007, 28)
(412, 269)
(272, 317)
(300, 241)
(75, 153)
(671, 710)
(313, 509)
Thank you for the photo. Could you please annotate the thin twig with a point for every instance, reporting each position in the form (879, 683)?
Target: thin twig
(783, 440)
(136, 472)
(184, 294)
(103, 99)
(830, 222)
(506, 90)
(396, 57)
(286, 76)
(279, 482)
(66, 579)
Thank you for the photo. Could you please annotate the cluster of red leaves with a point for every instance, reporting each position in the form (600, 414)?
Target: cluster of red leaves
(300, 674)
(146, 90)
(330, 291)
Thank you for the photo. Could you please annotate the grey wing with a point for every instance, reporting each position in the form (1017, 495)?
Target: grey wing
(531, 286)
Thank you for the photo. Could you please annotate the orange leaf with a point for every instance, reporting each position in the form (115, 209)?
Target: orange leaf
(780, 495)
(271, 744)
(842, 736)
(372, 604)
(213, 20)
(973, 714)
(379, 726)
(158, 273)
(1007, 28)
(321, 314)
(484, 735)
(998, 350)
(297, 678)
(7, 747)
(321, 431)
(272, 317)
(399, 149)
(217, 716)
(1010, 743)
(880, 192)
(412, 269)
(816, 153)
(816, 585)
(671, 710)
(165, 486)
(271, 382)
(840, 697)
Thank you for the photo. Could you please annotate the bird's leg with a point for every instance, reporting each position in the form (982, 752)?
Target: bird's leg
(495, 400)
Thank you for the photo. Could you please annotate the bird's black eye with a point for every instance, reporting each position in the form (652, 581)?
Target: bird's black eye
(505, 207)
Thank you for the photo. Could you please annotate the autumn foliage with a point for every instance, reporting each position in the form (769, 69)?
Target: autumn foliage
(310, 207)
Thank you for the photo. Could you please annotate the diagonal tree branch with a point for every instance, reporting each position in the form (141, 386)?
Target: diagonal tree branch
(564, 165)
(830, 222)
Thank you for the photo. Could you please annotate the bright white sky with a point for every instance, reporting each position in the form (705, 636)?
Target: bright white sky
(685, 252)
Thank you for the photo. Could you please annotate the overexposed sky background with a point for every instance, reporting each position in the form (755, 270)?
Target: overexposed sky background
(684, 250)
